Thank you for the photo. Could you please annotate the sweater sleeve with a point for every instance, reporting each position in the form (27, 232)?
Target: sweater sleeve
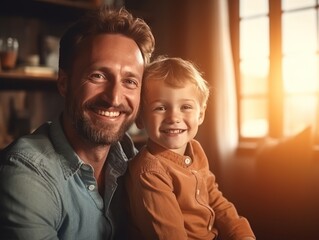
(229, 224)
(156, 212)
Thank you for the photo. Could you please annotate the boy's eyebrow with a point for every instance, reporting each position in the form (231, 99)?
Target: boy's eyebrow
(181, 100)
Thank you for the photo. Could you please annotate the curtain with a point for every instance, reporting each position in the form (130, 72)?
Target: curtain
(225, 100)
(208, 44)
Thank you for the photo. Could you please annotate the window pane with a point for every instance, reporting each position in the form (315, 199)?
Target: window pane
(294, 4)
(253, 7)
(254, 76)
(299, 32)
(300, 73)
(254, 38)
(253, 118)
(300, 111)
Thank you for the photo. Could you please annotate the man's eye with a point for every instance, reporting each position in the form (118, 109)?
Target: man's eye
(97, 77)
(131, 83)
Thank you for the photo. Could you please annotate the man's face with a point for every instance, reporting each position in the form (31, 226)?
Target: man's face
(103, 89)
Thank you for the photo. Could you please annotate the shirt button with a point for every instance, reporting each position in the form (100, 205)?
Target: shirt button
(210, 227)
(91, 187)
(197, 191)
(85, 167)
(187, 161)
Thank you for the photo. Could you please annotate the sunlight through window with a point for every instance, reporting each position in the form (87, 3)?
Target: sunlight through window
(278, 65)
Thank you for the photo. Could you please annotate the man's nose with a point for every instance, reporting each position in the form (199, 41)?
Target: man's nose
(114, 93)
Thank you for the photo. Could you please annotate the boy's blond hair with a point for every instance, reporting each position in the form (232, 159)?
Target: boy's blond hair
(175, 72)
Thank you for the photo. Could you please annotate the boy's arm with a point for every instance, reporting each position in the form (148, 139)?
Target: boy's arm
(229, 224)
(155, 210)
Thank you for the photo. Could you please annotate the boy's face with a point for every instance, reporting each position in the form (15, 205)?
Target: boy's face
(171, 116)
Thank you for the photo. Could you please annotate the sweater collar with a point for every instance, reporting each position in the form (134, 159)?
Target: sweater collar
(185, 160)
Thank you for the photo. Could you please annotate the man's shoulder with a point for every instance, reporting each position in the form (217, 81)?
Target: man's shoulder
(30, 149)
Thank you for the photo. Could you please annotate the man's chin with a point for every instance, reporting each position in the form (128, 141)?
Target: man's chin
(104, 136)
(101, 133)
(111, 139)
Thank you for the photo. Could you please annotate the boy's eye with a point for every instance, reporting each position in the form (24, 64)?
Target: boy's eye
(186, 107)
(160, 108)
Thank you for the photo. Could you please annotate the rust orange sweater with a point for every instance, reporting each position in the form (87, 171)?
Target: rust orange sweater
(176, 197)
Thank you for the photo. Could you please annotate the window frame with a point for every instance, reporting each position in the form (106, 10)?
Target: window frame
(276, 96)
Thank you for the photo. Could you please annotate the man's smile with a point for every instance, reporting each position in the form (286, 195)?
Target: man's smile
(109, 113)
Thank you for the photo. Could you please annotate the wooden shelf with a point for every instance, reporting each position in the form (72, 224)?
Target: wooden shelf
(15, 80)
(73, 3)
(46, 10)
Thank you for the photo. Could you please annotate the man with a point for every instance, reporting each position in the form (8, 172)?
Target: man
(64, 180)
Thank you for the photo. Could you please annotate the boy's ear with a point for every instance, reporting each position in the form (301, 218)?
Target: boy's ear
(138, 121)
(202, 115)
(62, 82)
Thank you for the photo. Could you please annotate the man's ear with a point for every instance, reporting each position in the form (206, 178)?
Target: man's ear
(202, 115)
(62, 82)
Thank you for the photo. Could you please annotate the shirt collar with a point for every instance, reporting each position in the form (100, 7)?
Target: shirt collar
(70, 161)
(119, 153)
(161, 152)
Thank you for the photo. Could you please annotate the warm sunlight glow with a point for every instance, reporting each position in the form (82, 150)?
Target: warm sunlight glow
(300, 111)
(300, 69)
(299, 32)
(253, 7)
(300, 74)
(254, 38)
(287, 78)
(254, 118)
(254, 76)
(294, 4)
(254, 69)
(254, 128)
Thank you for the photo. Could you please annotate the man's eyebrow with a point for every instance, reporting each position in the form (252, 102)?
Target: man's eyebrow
(130, 74)
(126, 73)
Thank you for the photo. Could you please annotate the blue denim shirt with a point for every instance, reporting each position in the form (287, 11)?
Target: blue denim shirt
(48, 192)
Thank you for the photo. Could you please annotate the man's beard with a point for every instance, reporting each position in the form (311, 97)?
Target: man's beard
(100, 133)
(97, 132)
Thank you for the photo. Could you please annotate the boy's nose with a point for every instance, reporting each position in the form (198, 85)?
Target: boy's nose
(173, 117)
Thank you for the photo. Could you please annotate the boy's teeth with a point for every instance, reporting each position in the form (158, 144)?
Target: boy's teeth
(174, 131)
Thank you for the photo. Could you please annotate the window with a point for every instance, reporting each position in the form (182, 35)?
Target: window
(275, 47)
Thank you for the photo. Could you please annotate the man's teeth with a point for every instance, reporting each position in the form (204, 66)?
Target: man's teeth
(108, 114)
(174, 131)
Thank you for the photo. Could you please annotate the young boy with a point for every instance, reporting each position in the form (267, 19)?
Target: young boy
(172, 193)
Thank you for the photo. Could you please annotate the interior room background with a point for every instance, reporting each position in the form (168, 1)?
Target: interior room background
(261, 60)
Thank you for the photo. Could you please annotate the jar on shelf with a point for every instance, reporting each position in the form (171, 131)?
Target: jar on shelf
(8, 52)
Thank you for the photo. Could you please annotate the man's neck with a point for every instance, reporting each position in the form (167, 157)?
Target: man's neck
(92, 154)
(96, 157)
